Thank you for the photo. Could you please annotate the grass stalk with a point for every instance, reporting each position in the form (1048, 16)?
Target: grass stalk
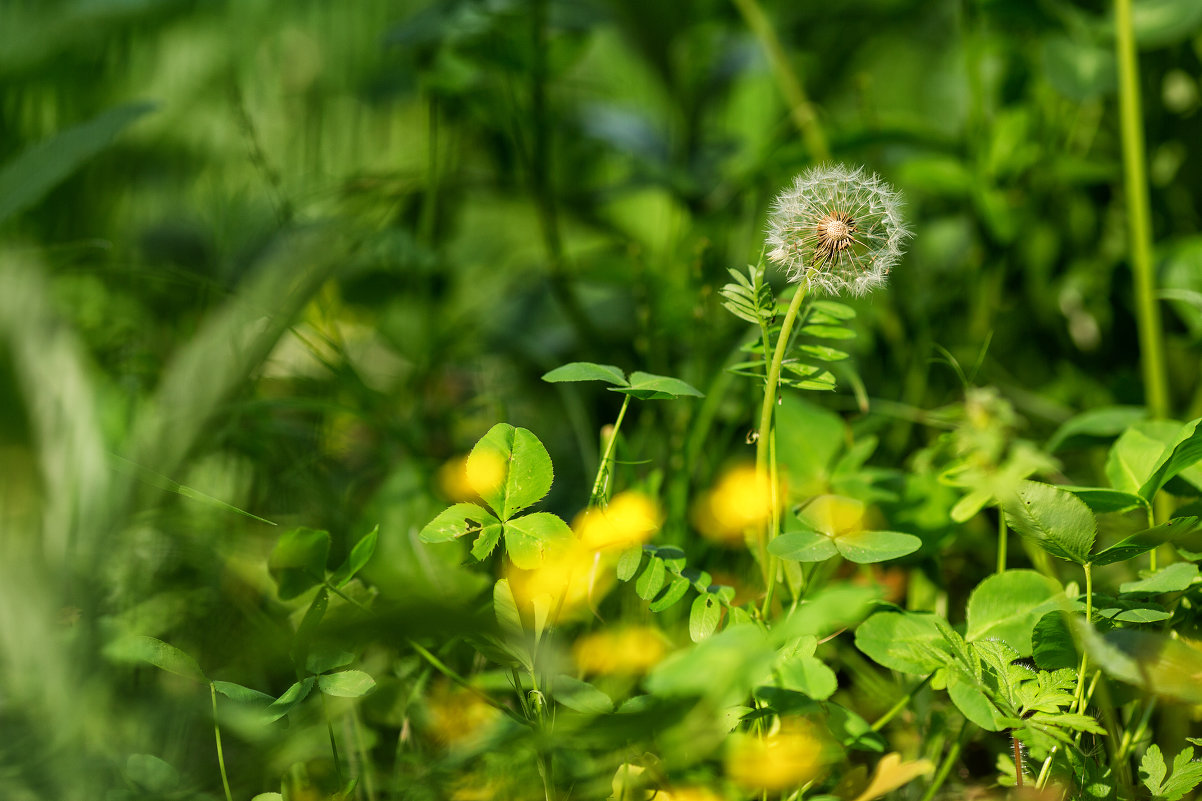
(1151, 335)
(225, 780)
(599, 483)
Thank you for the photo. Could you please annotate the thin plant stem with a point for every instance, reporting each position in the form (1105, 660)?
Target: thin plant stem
(1133, 736)
(225, 781)
(438, 665)
(1001, 540)
(603, 468)
(901, 704)
(763, 440)
(1044, 770)
(1151, 335)
(945, 767)
(333, 743)
(800, 109)
(1081, 699)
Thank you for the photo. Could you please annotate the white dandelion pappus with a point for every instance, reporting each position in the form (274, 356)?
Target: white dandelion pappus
(837, 230)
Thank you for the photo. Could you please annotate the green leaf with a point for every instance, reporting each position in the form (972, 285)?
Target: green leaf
(1104, 422)
(487, 541)
(140, 648)
(357, 559)
(646, 386)
(456, 521)
(909, 642)
(652, 580)
(27, 178)
(580, 696)
(346, 683)
(823, 353)
(298, 561)
(1155, 662)
(1006, 606)
(724, 667)
(1162, 22)
(1144, 541)
(1141, 614)
(1176, 577)
(704, 616)
(1187, 775)
(324, 659)
(527, 538)
(1132, 460)
(1102, 500)
(151, 774)
(832, 309)
(587, 371)
(1058, 521)
(1052, 643)
(966, 693)
(506, 610)
(292, 696)
(674, 592)
(803, 546)
(629, 563)
(867, 547)
(805, 673)
(1152, 770)
(243, 695)
(519, 460)
(1185, 451)
(828, 331)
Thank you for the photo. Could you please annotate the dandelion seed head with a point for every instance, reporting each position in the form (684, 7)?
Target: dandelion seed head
(837, 230)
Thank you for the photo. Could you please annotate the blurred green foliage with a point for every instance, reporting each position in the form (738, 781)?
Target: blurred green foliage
(275, 264)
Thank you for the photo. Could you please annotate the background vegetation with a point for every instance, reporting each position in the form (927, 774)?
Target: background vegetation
(277, 264)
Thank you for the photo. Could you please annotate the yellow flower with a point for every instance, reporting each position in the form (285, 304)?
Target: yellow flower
(788, 758)
(632, 650)
(564, 584)
(457, 716)
(630, 519)
(741, 500)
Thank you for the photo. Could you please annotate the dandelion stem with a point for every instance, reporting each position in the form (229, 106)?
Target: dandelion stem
(763, 470)
(1081, 697)
(1151, 337)
(800, 108)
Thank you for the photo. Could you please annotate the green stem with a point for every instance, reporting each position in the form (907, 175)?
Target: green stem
(438, 665)
(1081, 699)
(901, 704)
(225, 781)
(1001, 540)
(333, 743)
(1044, 770)
(945, 767)
(764, 438)
(800, 108)
(603, 468)
(1151, 336)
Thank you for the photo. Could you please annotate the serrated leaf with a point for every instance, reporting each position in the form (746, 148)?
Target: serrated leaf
(357, 559)
(1144, 541)
(587, 371)
(1152, 769)
(1057, 520)
(456, 521)
(298, 561)
(515, 467)
(646, 386)
(528, 538)
(674, 592)
(704, 616)
(152, 651)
